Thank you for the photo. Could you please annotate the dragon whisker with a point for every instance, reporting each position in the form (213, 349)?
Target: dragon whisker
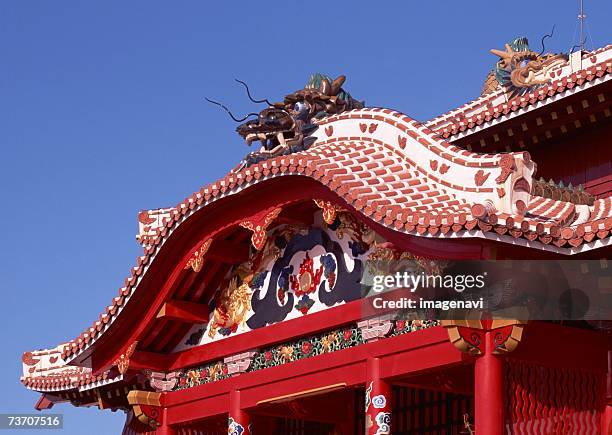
(229, 112)
(249, 94)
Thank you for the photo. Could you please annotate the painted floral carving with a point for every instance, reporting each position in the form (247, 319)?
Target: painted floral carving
(329, 210)
(123, 362)
(197, 258)
(232, 307)
(383, 423)
(360, 235)
(286, 353)
(193, 377)
(297, 271)
(404, 326)
(291, 284)
(385, 258)
(306, 347)
(258, 224)
(234, 428)
(308, 279)
(330, 341)
(379, 401)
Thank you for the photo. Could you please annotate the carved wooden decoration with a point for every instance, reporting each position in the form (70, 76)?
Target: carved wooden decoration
(258, 224)
(507, 335)
(162, 381)
(146, 406)
(506, 165)
(197, 259)
(468, 335)
(330, 210)
(123, 362)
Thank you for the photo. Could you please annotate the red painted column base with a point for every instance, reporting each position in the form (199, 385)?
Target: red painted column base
(606, 420)
(378, 400)
(239, 422)
(488, 391)
(164, 429)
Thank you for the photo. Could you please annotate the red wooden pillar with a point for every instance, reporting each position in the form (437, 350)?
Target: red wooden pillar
(239, 422)
(378, 400)
(165, 429)
(606, 418)
(488, 391)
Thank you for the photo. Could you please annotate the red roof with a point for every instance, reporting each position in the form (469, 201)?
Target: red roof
(400, 174)
(381, 180)
(596, 66)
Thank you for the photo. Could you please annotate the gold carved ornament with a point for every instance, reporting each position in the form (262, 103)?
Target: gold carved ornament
(330, 210)
(196, 260)
(123, 362)
(258, 224)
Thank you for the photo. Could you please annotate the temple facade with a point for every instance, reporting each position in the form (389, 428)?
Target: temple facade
(247, 311)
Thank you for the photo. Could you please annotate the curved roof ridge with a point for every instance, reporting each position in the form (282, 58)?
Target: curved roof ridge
(595, 65)
(400, 174)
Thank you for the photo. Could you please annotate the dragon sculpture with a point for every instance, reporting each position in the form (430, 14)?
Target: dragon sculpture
(285, 127)
(520, 69)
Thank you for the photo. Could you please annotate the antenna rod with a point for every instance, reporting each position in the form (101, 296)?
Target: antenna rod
(581, 17)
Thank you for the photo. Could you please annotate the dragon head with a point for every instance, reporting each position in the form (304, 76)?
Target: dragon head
(285, 127)
(519, 68)
(272, 126)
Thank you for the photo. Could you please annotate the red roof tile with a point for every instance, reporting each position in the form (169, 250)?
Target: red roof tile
(402, 175)
(495, 106)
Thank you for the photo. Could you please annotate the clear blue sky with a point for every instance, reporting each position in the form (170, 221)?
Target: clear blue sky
(102, 113)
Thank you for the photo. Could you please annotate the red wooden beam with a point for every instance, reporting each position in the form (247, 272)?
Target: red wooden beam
(184, 311)
(271, 334)
(346, 366)
(143, 360)
(228, 252)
